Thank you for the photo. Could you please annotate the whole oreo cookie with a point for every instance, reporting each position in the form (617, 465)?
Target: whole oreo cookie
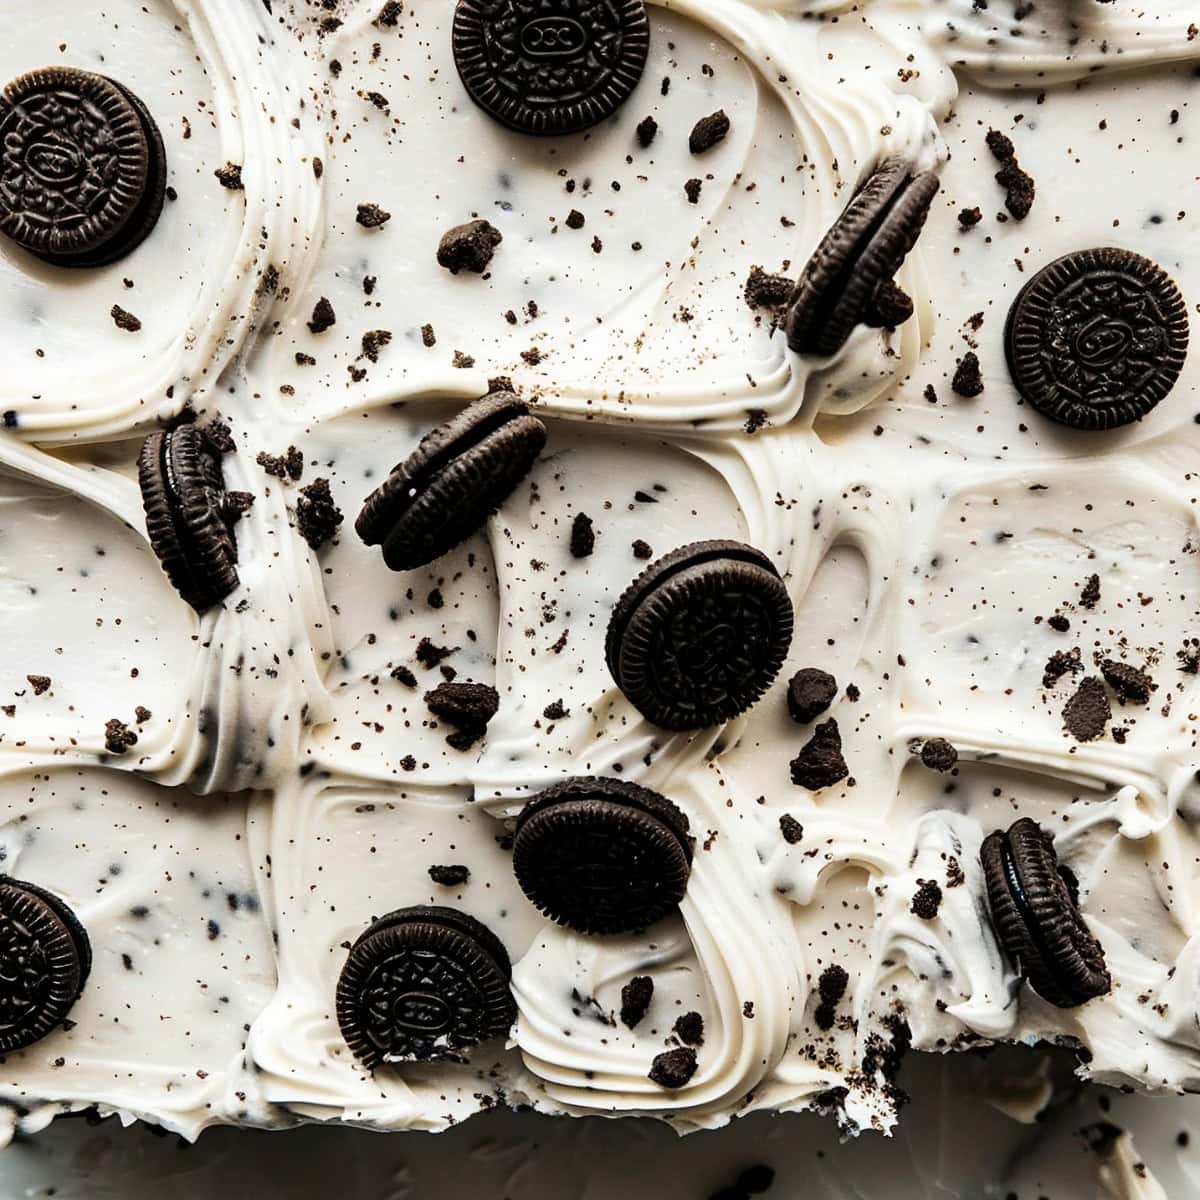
(700, 634)
(602, 855)
(1097, 338)
(423, 983)
(550, 67)
(82, 167)
(1035, 912)
(458, 475)
(189, 514)
(854, 262)
(45, 959)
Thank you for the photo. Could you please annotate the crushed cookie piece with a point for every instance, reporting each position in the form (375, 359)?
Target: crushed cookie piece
(938, 754)
(323, 317)
(467, 706)
(1088, 711)
(764, 290)
(124, 319)
(371, 216)
(583, 536)
(708, 131)
(1019, 184)
(317, 516)
(809, 693)
(820, 763)
(831, 987)
(1130, 685)
(454, 875)
(673, 1068)
(968, 378)
(118, 737)
(928, 899)
(635, 999)
(469, 247)
(230, 176)
(373, 341)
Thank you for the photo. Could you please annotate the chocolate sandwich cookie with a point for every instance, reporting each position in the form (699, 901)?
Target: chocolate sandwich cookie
(1035, 912)
(189, 514)
(551, 67)
(700, 634)
(602, 855)
(1097, 338)
(458, 475)
(848, 278)
(45, 959)
(423, 983)
(82, 167)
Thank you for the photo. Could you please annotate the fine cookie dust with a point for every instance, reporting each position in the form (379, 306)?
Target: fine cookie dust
(599, 556)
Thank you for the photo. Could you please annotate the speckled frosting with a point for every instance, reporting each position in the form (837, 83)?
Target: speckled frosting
(287, 786)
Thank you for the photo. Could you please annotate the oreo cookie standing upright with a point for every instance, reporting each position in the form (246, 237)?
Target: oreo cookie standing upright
(189, 514)
(45, 960)
(1097, 338)
(82, 167)
(458, 475)
(602, 855)
(854, 262)
(551, 67)
(700, 634)
(1035, 912)
(423, 983)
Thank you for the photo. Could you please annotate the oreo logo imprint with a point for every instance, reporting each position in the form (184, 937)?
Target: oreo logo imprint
(1103, 341)
(553, 37)
(54, 162)
(422, 1013)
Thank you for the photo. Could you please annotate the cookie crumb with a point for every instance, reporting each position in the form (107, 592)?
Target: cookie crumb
(317, 516)
(124, 319)
(454, 875)
(673, 1068)
(230, 176)
(938, 754)
(708, 131)
(371, 216)
(820, 763)
(635, 999)
(927, 900)
(583, 536)
(469, 247)
(809, 693)
(968, 378)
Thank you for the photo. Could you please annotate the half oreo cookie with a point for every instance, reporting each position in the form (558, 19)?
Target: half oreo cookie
(554, 67)
(45, 959)
(1097, 338)
(189, 514)
(423, 983)
(1035, 912)
(602, 855)
(458, 475)
(849, 274)
(700, 634)
(82, 167)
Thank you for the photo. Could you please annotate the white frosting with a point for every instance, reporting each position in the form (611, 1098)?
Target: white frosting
(919, 541)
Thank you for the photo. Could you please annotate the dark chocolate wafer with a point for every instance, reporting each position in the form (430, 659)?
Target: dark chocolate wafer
(458, 475)
(700, 634)
(554, 67)
(82, 167)
(423, 983)
(602, 855)
(1036, 916)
